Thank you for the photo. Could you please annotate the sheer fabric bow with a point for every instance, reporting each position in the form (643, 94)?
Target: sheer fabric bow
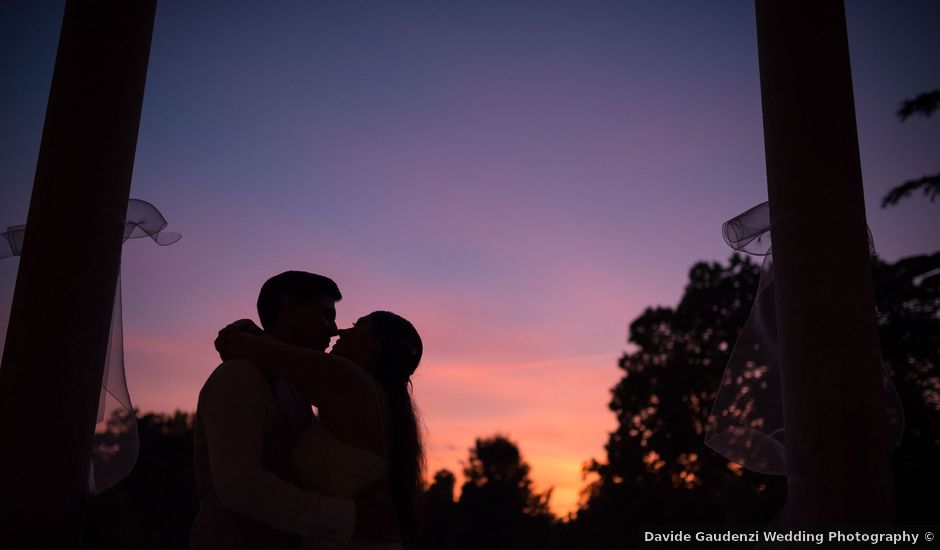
(115, 446)
(746, 423)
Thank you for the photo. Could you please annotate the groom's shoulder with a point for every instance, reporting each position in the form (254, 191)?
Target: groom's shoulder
(237, 375)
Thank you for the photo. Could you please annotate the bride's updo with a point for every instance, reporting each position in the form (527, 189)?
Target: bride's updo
(400, 351)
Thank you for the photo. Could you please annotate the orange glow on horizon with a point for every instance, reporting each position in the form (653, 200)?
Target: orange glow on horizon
(555, 410)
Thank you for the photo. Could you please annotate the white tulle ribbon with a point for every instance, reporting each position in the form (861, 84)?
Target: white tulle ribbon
(746, 423)
(115, 446)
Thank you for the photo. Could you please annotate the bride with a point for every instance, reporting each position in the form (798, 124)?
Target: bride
(365, 436)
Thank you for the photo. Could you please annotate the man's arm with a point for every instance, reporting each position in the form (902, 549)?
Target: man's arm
(234, 406)
(340, 388)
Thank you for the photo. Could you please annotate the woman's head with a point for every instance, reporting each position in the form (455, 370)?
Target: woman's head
(389, 348)
(385, 344)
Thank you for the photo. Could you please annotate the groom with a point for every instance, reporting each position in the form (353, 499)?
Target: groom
(246, 424)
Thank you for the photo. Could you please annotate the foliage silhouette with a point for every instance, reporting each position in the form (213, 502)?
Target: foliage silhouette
(657, 469)
(924, 104)
(439, 522)
(154, 507)
(930, 185)
(498, 507)
(907, 295)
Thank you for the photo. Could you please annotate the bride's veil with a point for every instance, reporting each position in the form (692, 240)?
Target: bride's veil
(115, 445)
(746, 423)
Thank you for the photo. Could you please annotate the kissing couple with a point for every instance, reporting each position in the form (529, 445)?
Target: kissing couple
(271, 474)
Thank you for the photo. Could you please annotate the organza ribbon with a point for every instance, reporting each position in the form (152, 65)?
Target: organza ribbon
(115, 444)
(746, 423)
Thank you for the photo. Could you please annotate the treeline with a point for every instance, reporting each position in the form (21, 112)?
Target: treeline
(657, 470)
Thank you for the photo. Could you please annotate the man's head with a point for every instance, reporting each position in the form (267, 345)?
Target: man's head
(299, 308)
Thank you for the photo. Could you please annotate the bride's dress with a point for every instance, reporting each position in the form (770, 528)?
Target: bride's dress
(330, 467)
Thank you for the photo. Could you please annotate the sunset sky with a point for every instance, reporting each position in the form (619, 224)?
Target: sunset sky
(518, 178)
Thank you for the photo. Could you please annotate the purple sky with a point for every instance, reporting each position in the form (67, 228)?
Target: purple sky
(519, 178)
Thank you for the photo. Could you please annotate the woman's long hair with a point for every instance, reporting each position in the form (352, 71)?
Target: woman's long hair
(400, 354)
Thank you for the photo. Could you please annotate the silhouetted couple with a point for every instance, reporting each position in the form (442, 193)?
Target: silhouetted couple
(269, 472)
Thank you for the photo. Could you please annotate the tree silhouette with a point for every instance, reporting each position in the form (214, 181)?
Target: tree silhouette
(658, 470)
(907, 295)
(924, 104)
(154, 507)
(439, 521)
(498, 507)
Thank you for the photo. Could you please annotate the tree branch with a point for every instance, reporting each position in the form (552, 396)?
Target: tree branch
(930, 185)
(925, 104)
